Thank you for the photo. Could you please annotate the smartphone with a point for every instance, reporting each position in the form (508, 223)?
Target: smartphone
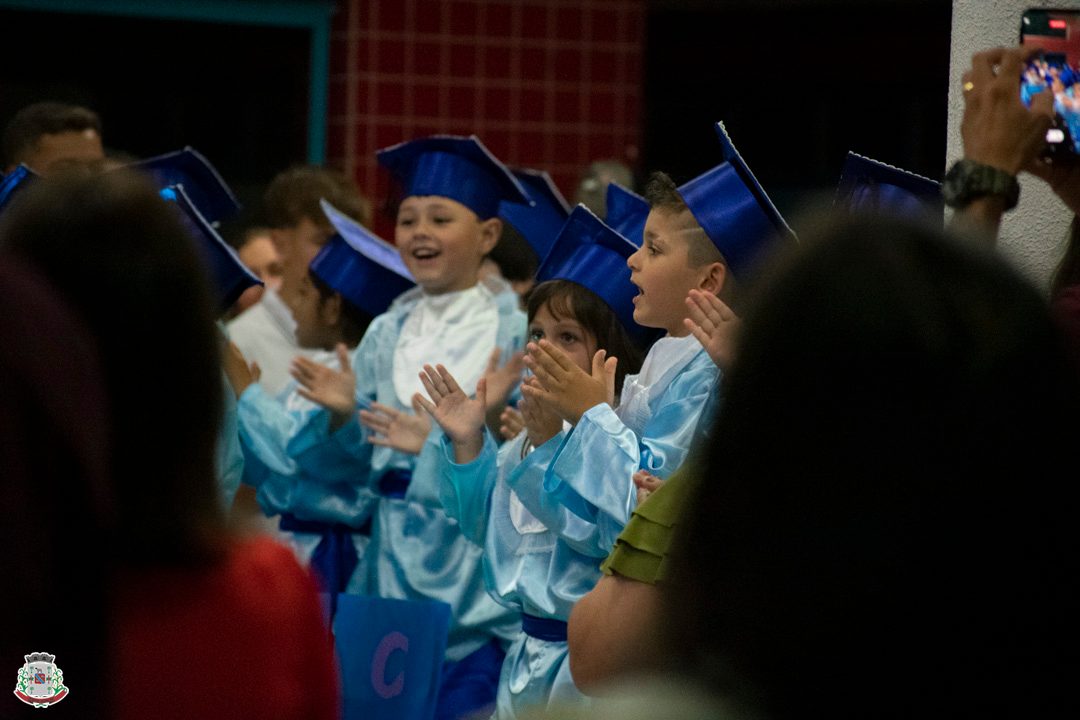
(1055, 69)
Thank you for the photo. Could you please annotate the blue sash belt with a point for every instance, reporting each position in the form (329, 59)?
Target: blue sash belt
(335, 557)
(394, 483)
(543, 628)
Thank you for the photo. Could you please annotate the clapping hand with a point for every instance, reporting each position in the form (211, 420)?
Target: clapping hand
(564, 386)
(335, 390)
(397, 429)
(460, 417)
(714, 324)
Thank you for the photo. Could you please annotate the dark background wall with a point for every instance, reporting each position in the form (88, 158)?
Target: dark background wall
(546, 83)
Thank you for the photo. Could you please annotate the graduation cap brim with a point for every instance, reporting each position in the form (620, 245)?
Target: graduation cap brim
(13, 183)
(228, 275)
(456, 167)
(873, 186)
(540, 222)
(202, 183)
(626, 212)
(364, 268)
(592, 254)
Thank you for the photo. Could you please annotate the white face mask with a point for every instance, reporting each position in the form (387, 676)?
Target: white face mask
(456, 329)
(666, 359)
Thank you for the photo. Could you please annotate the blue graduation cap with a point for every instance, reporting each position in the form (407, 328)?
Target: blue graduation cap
(733, 209)
(229, 277)
(18, 179)
(542, 221)
(626, 213)
(365, 269)
(593, 255)
(867, 185)
(459, 168)
(202, 183)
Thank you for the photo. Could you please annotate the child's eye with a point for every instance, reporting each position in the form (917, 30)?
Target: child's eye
(568, 338)
(404, 222)
(536, 335)
(651, 249)
(441, 220)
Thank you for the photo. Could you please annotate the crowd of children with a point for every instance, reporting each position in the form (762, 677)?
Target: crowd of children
(507, 470)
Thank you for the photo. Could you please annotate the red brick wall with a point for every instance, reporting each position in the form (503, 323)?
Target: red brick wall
(550, 84)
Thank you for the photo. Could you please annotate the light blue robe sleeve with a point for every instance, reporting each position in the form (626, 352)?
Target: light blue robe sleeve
(230, 456)
(527, 482)
(592, 472)
(465, 489)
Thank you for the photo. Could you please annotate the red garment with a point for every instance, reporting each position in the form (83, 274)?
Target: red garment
(243, 638)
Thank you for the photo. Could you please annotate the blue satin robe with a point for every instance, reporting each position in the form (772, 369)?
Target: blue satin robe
(292, 477)
(586, 493)
(531, 572)
(417, 552)
(230, 457)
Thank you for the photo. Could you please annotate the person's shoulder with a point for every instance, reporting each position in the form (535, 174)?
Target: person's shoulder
(260, 568)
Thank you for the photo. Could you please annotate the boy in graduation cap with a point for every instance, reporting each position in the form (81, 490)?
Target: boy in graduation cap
(698, 238)
(323, 500)
(446, 223)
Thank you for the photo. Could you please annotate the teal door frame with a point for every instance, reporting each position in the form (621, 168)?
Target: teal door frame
(315, 15)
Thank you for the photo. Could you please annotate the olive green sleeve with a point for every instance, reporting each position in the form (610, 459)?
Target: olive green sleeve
(641, 551)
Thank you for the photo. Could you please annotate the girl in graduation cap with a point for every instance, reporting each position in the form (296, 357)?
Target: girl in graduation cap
(324, 505)
(584, 305)
(446, 223)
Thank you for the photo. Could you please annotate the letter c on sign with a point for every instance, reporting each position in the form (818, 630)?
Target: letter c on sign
(390, 643)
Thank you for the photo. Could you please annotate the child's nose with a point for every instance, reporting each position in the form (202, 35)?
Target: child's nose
(631, 262)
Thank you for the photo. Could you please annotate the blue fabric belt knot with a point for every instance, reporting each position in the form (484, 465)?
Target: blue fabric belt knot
(540, 628)
(394, 483)
(335, 557)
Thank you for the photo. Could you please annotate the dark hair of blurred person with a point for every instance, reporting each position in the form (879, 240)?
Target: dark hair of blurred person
(886, 524)
(54, 487)
(188, 599)
(44, 133)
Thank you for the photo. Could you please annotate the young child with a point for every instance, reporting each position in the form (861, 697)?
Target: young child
(446, 224)
(299, 229)
(328, 513)
(696, 238)
(528, 566)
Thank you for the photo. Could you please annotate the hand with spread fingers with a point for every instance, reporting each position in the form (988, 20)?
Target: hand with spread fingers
(541, 421)
(460, 417)
(714, 324)
(998, 129)
(335, 390)
(511, 423)
(565, 386)
(397, 429)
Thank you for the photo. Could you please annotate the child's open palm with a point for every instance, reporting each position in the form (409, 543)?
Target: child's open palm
(397, 429)
(714, 324)
(335, 390)
(460, 417)
(566, 387)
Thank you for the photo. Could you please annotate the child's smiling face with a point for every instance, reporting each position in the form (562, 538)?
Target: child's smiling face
(662, 271)
(443, 242)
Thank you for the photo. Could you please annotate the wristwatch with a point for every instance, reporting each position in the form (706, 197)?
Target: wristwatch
(968, 180)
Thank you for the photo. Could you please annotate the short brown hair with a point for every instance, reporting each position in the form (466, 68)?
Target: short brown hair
(23, 131)
(662, 195)
(295, 194)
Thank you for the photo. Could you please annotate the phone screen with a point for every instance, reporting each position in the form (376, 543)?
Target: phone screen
(1055, 69)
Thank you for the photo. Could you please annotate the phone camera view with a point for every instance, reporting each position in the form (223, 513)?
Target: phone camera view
(1055, 69)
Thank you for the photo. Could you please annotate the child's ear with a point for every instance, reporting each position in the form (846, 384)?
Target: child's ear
(490, 230)
(712, 280)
